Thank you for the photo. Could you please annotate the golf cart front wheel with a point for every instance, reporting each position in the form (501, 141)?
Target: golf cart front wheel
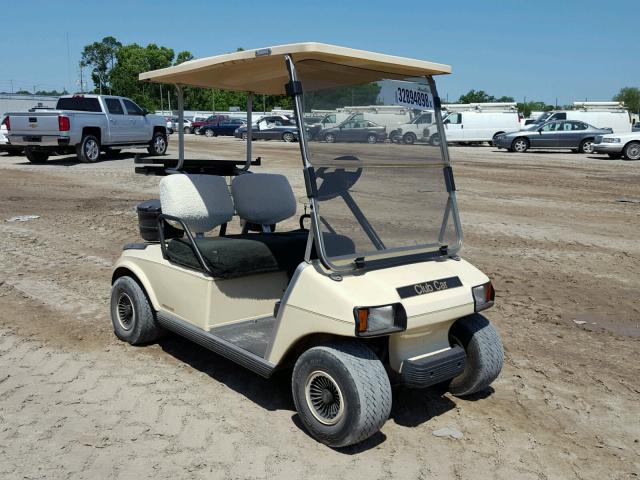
(132, 315)
(341, 392)
(485, 356)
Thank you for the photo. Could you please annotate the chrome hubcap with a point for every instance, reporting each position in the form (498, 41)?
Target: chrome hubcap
(159, 144)
(324, 398)
(288, 137)
(587, 147)
(329, 138)
(520, 146)
(91, 150)
(208, 133)
(126, 311)
(371, 139)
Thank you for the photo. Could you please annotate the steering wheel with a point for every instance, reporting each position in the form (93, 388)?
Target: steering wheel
(337, 181)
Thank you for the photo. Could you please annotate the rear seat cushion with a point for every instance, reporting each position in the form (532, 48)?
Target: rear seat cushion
(236, 256)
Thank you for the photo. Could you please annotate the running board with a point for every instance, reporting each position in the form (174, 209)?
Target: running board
(216, 344)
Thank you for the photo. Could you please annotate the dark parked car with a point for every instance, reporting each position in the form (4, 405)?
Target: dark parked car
(225, 126)
(196, 125)
(354, 131)
(571, 134)
(271, 128)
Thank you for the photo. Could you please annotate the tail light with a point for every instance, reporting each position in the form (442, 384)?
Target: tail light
(63, 123)
(7, 123)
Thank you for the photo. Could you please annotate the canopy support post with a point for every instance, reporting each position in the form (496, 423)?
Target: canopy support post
(180, 128)
(249, 129)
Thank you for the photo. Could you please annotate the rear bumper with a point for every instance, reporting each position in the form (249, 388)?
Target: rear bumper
(607, 147)
(39, 141)
(426, 371)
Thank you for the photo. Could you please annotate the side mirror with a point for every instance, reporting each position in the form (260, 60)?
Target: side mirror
(145, 112)
(540, 130)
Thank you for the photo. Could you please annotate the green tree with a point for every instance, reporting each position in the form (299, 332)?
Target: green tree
(480, 96)
(332, 98)
(131, 60)
(631, 98)
(101, 56)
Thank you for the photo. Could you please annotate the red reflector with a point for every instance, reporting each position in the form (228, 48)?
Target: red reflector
(7, 123)
(63, 124)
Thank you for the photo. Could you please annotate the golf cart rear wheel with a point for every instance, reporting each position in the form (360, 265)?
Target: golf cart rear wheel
(132, 315)
(586, 145)
(485, 356)
(34, 156)
(632, 151)
(520, 145)
(341, 392)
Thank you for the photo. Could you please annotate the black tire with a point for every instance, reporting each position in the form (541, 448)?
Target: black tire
(435, 140)
(372, 138)
(615, 156)
(288, 137)
(196, 131)
(245, 135)
(330, 138)
(409, 138)
(631, 151)
(208, 132)
(485, 356)
(187, 130)
(575, 150)
(520, 145)
(586, 146)
(35, 156)
(158, 144)
(351, 372)
(133, 317)
(88, 150)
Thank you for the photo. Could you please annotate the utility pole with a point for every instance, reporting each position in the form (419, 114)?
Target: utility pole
(161, 100)
(81, 81)
(11, 81)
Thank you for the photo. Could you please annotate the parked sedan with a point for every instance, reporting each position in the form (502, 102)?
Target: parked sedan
(225, 126)
(354, 131)
(619, 145)
(571, 134)
(273, 127)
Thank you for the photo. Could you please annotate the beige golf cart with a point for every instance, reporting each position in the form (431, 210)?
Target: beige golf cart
(364, 291)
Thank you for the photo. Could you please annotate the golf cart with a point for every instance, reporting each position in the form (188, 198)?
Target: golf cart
(365, 291)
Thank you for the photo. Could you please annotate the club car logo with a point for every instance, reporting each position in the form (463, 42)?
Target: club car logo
(424, 288)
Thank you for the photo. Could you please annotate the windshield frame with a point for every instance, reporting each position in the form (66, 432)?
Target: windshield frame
(386, 256)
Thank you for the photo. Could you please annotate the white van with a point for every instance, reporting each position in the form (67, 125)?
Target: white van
(475, 126)
(410, 132)
(598, 114)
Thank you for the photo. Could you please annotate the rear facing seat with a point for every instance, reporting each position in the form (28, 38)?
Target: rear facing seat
(262, 199)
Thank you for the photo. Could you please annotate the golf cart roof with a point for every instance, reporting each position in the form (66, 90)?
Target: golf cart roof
(263, 70)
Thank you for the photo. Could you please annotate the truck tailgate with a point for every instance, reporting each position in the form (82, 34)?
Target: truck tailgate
(34, 124)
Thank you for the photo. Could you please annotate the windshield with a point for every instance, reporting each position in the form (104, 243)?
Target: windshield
(377, 195)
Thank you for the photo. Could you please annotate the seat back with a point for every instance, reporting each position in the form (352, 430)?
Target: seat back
(201, 201)
(263, 198)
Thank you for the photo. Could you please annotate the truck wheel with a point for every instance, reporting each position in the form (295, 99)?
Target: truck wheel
(409, 138)
(88, 150)
(35, 156)
(341, 392)
(208, 132)
(632, 151)
(288, 137)
(131, 313)
(485, 357)
(197, 131)
(435, 140)
(520, 145)
(158, 144)
(586, 145)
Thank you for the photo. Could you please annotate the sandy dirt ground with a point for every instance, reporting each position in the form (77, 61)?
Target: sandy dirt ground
(557, 232)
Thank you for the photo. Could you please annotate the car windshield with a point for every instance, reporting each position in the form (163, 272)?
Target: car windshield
(377, 198)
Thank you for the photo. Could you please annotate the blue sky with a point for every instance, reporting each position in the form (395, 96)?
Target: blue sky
(541, 49)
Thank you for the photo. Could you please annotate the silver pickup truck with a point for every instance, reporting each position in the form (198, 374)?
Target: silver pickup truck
(86, 125)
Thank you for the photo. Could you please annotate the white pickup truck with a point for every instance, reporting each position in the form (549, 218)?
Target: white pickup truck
(86, 125)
